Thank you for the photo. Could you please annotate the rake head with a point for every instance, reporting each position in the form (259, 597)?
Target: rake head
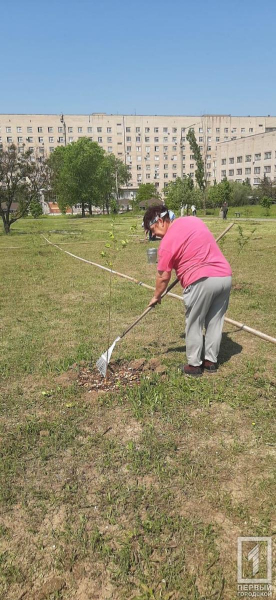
(103, 361)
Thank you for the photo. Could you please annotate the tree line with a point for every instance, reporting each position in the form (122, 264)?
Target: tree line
(83, 173)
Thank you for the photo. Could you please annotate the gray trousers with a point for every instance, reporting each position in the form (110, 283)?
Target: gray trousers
(206, 302)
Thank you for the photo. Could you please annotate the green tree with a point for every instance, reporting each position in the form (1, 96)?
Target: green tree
(199, 173)
(266, 203)
(76, 175)
(113, 174)
(267, 188)
(35, 209)
(21, 178)
(182, 192)
(145, 192)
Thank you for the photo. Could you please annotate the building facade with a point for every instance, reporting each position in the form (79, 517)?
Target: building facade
(154, 147)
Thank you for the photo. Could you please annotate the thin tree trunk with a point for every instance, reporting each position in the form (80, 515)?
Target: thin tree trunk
(82, 210)
(6, 223)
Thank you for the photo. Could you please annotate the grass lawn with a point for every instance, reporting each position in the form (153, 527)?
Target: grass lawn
(140, 493)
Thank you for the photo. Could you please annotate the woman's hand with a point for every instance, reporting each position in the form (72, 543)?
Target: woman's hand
(155, 301)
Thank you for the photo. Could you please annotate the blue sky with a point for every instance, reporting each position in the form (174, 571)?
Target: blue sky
(148, 57)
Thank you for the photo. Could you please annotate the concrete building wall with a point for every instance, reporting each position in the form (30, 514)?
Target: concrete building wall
(154, 147)
(251, 158)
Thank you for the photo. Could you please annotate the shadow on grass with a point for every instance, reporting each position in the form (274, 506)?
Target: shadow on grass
(228, 348)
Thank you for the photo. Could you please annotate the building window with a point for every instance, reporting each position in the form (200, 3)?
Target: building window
(100, 140)
(138, 139)
(166, 167)
(39, 129)
(99, 129)
(128, 139)
(61, 140)
(165, 139)
(248, 158)
(139, 158)
(79, 129)
(267, 169)
(250, 129)
(139, 168)
(108, 129)
(267, 155)
(40, 140)
(156, 139)
(147, 139)
(223, 162)
(165, 129)
(223, 174)
(242, 130)
(30, 140)
(217, 139)
(225, 129)
(128, 148)
(128, 129)
(109, 140)
(50, 129)
(217, 130)
(209, 139)
(231, 172)
(248, 171)
(70, 140)
(234, 130)
(20, 140)
(156, 158)
(209, 148)
(257, 170)
(138, 148)
(138, 130)
(200, 139)
(9, 140)
(51, 140)
(192, 166)
(239, 171)
(89, 129)
(156, 129)
(147, 129)
(51, 149)
(258, 156)
(231, 160)
(70, 129)
(147, 175)
(8, 129)
(156, 148)
(19, 129)
(239, 159)
(29, 130)
(256, 180)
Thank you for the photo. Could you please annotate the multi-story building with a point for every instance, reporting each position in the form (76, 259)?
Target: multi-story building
(154, 147)
(251, 158)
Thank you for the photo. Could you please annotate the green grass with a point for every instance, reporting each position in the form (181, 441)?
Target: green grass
(142, 493)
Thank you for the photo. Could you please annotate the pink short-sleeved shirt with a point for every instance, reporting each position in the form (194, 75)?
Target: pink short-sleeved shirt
(190, 248)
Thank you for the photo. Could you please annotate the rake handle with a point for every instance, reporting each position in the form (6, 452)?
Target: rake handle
(169, 288)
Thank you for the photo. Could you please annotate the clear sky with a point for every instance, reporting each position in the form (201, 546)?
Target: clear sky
(138, 56)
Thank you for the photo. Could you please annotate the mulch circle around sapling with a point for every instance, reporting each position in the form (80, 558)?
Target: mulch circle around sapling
(119, 375)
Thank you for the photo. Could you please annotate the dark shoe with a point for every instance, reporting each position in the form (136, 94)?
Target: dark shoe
(209, 367)
(192, 371)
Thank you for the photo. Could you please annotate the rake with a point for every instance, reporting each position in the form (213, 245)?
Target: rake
(103, 362)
